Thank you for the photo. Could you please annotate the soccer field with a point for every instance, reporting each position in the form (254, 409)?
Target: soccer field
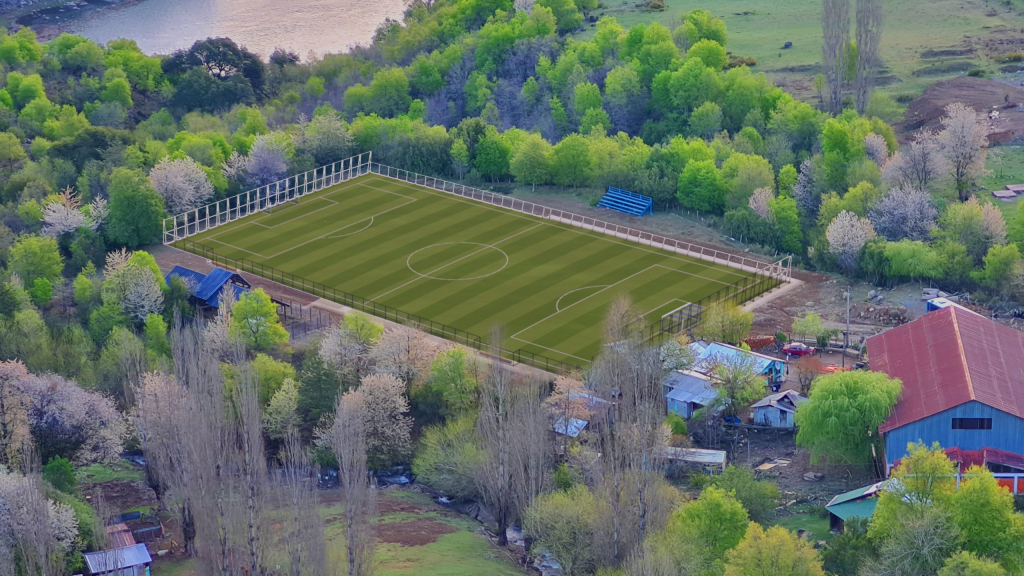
(466, 264)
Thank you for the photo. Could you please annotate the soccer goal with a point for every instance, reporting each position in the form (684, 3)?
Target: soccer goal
(682, 319)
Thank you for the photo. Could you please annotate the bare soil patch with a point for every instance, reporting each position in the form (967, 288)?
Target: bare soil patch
(414, 533)
(120, 495)
(985, 96)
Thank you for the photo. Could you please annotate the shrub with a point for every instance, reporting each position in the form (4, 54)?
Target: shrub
(60, 474)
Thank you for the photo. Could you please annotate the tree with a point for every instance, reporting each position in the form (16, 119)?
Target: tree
(267, 161)
(847, 234)
(570, 161)
(492, 154)
(254, 319)
(969, 564)
(562, 522)
(403, 352)
(835, 25)
(904, 213)
(156, 336)
(36, 534)
(460, 157)
(281, 414)
(716, 521)
(869, 35)
(63, 215)
(701, 187)
(389, 92)
(964, 142)
(60, 474)
(710, 52)
(759, 497)
(135, 288)
(448, 457)
(723, 323)
(876, 149)
(325, 138)
(566, 14)
(919, 165)
(923, 540)
(706, 121)
(388, 428)
(978, 227)
(347, 439)
(136, 210)
(531, 161)
(68, 421)
(772, 552)
(847, 552)
(1000, 263)
(11, 150)
(270, 375)
(843, 412)
(738, 384)
(34, 257)
(41, 292)
(989, 524)
(182, 183)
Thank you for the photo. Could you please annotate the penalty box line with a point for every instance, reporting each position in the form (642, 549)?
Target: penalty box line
(585, 298)
(327, 234)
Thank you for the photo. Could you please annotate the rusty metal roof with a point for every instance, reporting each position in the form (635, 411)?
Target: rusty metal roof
(947, 358)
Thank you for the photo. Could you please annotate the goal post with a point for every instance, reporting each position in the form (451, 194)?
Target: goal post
(682, 319)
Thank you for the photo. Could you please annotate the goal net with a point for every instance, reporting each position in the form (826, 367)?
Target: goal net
(682, 319)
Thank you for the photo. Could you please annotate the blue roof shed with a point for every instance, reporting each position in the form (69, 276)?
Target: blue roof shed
(209, 287)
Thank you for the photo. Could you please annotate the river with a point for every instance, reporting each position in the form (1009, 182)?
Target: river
(300, 26)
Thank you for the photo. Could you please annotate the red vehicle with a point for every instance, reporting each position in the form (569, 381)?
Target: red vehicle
(833, 368)
(798, 349)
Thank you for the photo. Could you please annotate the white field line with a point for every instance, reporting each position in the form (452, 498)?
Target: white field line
(264, 213)
(604, 237)
(324, 235)
(548, 317)
(559, 301)
(475, 252)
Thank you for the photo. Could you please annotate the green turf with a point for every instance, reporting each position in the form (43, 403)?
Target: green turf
(466, 264)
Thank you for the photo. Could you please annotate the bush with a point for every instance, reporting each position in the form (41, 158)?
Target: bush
(976, 72)
(41, 292)
(60, 474)
(759, 497)
(677, 425)
(1012, 57)
(447, 457)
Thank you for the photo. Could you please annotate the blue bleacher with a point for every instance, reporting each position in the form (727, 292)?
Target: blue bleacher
(626, 201)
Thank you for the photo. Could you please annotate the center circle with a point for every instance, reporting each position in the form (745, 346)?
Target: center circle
(457, 261)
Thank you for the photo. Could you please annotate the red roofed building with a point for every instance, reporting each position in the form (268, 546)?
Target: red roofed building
(963, 387)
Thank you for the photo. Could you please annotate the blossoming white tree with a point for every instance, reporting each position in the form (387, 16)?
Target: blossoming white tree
(63, 215)
(35, 533)
(760, 203)
(846, 235)
(964, 141)
(919, 164)
(904, 212)
(182, 183)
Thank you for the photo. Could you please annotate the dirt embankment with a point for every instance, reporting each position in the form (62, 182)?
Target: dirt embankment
(1001, 104)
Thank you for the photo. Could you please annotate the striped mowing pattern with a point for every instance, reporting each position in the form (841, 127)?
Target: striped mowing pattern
(467, 264)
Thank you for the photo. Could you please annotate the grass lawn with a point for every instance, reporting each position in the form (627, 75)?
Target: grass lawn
(813, 523)
(1006, 166)
(100, 473)
(466, 264)
(414, 536)
(759, 29)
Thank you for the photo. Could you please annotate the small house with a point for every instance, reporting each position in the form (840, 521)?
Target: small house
(777, 410)
(859, 503)
(575, 426)
(128, 561)
(687, 391)
(709, 356)
(207, 289)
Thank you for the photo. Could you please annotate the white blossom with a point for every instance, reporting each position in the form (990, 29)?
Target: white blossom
(846, 235)
(876, 148)
(236, 167)
(919, 164)
(63, 215)
(964, 140)
(340, 348)
(268, 161)
(98, 212)
(904, 212)
(133, 287)
(759, 203)
(182, 183)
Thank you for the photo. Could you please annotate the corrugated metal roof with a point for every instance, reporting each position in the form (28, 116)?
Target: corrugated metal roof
(859, 493)
(120, 536)
(208, 287)
(573, 430)
(688, 386)
(710, 355)
(947, 358)
(696, 455)
(864, 508)
(787, 400)
(109, 560)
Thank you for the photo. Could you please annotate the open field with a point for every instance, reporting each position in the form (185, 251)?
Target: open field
(414, 536)
(923, 41)
(466, 264)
